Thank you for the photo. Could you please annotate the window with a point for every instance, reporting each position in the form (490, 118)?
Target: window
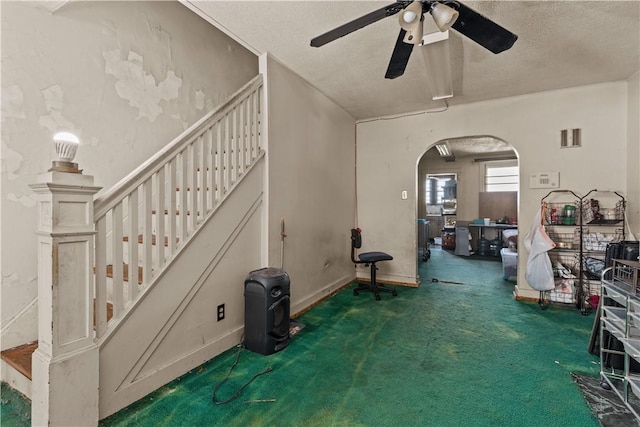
(502, 176)
(439, 187)
(435, 191)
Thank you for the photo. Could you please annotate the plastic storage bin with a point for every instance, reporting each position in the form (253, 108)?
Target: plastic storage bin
(509, 264)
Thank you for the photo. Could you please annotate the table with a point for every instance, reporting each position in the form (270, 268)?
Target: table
(498, 227)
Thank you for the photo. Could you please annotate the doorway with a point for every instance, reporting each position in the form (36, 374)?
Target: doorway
(454, 178)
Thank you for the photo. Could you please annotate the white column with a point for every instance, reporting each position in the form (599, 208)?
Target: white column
(65, 365)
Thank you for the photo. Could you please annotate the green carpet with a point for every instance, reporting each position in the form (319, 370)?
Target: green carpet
(15, 408)
(439, 355)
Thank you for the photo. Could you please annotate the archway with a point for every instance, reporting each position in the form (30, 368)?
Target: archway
(452, 177)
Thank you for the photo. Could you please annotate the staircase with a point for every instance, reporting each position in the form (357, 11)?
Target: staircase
(148, 224)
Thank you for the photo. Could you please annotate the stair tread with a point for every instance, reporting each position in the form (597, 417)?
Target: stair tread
(166, 212)
(153, 239)
(125, 273)
(20, 357)
(189, 188)
(109, 312)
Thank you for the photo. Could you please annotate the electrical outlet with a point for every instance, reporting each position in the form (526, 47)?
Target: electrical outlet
(220, 312)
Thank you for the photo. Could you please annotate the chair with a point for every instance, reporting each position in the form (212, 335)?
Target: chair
(369, 258)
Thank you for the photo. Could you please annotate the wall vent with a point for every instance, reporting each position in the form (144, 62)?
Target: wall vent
(570, 138)
(576, 141)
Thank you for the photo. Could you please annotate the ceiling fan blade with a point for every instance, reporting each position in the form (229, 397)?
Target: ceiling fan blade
(482, 30)
(399, 57)
(358, 23)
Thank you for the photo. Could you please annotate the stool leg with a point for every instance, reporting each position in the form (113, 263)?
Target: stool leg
(374, 284)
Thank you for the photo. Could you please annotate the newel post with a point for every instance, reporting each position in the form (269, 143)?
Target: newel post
(65, 365)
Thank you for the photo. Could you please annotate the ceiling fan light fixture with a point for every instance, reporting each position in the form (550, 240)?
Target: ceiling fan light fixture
(414, 33)
(443, 15)
(410, 15)
(411, 21)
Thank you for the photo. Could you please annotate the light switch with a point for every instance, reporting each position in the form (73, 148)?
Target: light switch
(404, 194)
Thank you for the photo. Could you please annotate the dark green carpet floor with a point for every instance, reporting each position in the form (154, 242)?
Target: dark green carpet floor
(439, 355)
(15, 408)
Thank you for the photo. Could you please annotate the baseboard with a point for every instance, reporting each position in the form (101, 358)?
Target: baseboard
(15, 379)
(12, 331)
(521, 294)
(140, 388)
(389, 282)
(314, 299)
(526, 299)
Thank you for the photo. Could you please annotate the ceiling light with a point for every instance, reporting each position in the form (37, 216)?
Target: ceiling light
(411, 13)
(411, 21)
(409, 16)
(443, 15)
(443, 150)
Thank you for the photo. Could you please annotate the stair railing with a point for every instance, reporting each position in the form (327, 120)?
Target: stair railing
(143, 221)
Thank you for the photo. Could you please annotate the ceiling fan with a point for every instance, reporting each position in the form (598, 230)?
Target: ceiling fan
(446, 14)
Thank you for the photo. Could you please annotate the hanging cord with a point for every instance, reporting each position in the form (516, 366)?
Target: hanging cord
(237, 393)
(282, 236)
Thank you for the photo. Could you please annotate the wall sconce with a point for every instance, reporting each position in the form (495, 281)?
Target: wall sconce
(66, 145)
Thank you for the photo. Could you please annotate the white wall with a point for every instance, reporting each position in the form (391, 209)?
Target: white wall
(311, 184)
(127, 77)
(633, 155)
(388, 151)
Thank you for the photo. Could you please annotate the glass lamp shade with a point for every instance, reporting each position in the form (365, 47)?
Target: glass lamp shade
(411, 21)
(66, 145)
(410, 15)
(444, 16)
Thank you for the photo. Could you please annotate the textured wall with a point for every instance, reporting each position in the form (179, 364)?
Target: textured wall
(311, 185)
(126, 77)
(530, 123)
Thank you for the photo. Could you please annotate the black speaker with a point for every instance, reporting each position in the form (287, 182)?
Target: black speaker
(266, 310)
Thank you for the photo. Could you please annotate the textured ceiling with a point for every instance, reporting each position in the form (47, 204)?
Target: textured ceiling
(560, 45)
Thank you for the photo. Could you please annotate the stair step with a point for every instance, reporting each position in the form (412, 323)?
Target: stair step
(109, 312)
(20, 357)
(189, 188)
(166, 212)
(125, 273)
(153, 239)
